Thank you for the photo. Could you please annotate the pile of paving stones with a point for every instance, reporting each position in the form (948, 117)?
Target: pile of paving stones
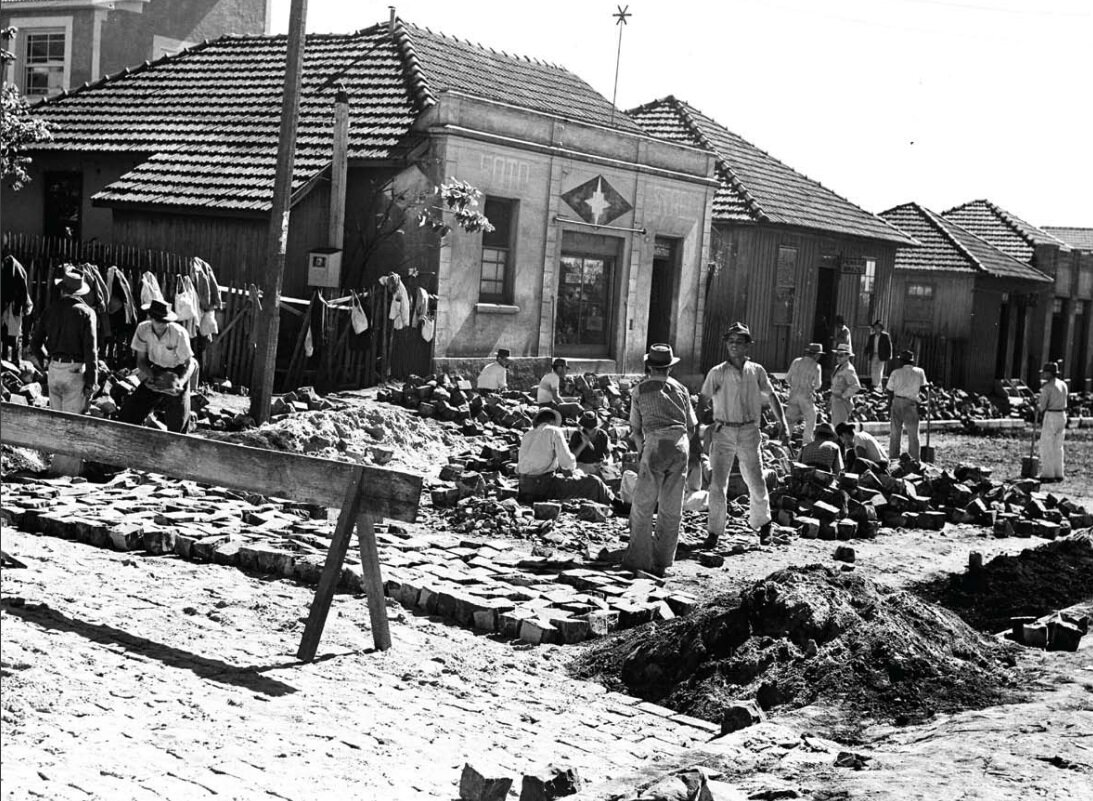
(820, 504)
(478, 582)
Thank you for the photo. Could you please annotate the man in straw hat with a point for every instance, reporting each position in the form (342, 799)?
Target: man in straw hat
(904, 385)
(738, 389)
(662, 422)
(545, 465)
(844, 385)
(67, 333)
(1052, 408)
(804, 378)
(164, 363)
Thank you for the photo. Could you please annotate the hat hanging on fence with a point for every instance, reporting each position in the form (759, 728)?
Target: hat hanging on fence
(159, 310)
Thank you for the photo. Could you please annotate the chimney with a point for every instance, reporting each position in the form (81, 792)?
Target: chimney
(391, 23)
(338, 168)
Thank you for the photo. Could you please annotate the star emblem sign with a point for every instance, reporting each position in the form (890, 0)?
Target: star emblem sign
(597, 201)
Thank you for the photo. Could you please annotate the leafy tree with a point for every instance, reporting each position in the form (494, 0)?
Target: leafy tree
(18, 128)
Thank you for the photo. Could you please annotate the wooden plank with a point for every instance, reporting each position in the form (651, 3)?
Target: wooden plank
(389, 493)
(373, 581)
(332, 570)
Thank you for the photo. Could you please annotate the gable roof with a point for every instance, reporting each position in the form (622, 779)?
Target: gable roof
(755, 186)
(206, 121)
(1006, 231)
(948, 247)
(1077, 238)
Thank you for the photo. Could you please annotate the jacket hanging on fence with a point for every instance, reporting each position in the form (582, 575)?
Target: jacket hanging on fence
(209, 298)
(15, 296)
(149, 289)
(120, 297)
(400, 301)
(316, 325)
(421, 306)
(186, 304)
(97, 299)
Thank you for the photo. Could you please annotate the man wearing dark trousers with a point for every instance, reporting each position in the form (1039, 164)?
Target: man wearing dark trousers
(164, 363)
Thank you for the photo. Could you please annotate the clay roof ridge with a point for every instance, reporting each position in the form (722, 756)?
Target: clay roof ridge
(683, 109)
(1011, 221)
(483, 48)
(414, 75)
(941, 225)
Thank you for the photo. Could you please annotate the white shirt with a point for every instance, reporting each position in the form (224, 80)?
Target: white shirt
(548, 387)
(170, 350)
(493, 376)
(907, 382)
(544, 450)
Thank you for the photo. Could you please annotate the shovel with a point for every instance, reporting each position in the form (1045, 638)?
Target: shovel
(1030, 465)
(927, 453)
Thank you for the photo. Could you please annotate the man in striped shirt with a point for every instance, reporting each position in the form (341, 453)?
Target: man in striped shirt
(662, 422)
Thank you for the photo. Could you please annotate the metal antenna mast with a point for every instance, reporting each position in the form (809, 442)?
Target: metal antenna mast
(621, 16)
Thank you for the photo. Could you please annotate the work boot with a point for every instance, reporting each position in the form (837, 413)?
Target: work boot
(764, 533)
(710, 542)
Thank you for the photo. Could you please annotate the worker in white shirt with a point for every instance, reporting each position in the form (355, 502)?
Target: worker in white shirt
(550, 387)
(904, 386)
(804, 378)
(495, 375)
(546, 464)
(1052, 408)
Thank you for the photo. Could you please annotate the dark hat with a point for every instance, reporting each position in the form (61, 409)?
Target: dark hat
(825, 429)
(814, 349)
(502, 353)
(1050, 367)
(845, 428)
(71, 282)
(159, 310)
(878, 322)
(738, 328)
(589, 420)
(907, 357)
(660, 356)
(559, 362)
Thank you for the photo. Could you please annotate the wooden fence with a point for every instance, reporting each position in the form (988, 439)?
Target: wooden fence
(340, 360)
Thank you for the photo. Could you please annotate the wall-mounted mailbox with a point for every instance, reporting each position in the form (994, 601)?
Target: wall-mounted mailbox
(324, 267)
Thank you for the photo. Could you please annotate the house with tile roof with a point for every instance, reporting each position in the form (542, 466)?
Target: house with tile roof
(600, 229)
(958, 290)
(787, 254)
(62, 44)
(1060, 328)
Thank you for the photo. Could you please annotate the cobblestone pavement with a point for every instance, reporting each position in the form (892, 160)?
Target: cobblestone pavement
(137, 677)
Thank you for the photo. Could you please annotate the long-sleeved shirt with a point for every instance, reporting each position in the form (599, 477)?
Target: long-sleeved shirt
(804, 377)
(844, 381)
(1053, 395)
(544, 450)
(866, 446)
(822, 453)
(738, 394)
(493, 376)
(660, 403)
(68, 331)
(594, 452)
(907, 382)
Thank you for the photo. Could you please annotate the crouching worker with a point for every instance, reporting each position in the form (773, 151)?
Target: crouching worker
(863, 451)
(546, 465)
(590, 445)
(164, 363)
(823, 452)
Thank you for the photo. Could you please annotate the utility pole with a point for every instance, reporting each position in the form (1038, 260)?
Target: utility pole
(269, 319)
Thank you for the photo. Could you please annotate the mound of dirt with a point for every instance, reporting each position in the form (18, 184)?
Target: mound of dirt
(806, 634)
(1035, 582)
(371, 434)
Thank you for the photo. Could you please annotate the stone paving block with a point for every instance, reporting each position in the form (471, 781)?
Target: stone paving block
(127, 536)
(536, 630)
(226, 553)
(159, 540)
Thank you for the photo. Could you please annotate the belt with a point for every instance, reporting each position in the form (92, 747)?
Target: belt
(720, 423)
(1057, 411)
(65, 360)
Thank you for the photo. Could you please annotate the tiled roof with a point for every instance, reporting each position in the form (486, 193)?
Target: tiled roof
(208, 118)
(1005, 231)
(1077, 238)
(946, 246)
(755, 186)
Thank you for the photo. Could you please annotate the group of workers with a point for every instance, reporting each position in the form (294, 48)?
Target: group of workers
(664, 428)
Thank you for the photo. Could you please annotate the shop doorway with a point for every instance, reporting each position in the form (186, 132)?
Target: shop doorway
(662, 292)
(585, 284)
(62, 197)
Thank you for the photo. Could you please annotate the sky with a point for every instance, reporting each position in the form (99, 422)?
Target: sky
(883, 101)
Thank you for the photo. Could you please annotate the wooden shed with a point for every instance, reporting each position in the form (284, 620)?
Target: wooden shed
(786, 253)
(961, 304)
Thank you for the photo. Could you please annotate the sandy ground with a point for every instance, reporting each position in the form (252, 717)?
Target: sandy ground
(126, 676)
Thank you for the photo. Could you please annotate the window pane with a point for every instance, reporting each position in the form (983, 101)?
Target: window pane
(499, 213)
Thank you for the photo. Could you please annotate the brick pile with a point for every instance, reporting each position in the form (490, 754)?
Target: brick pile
(476, 582)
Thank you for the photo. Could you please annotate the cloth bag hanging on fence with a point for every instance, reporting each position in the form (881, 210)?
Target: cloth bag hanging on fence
(357, 317)
(149, 289)
(428, 327)
(186, 304)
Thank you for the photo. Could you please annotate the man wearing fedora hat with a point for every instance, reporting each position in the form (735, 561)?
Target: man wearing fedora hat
(904, 385)
(545, 465)
(878, 350)
(804, 378)
(550, 387)
(164, 363)
(1052, 407)
(67, 333)
(662, 422)
(495, 375)
(738, 389)
(844, 385)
